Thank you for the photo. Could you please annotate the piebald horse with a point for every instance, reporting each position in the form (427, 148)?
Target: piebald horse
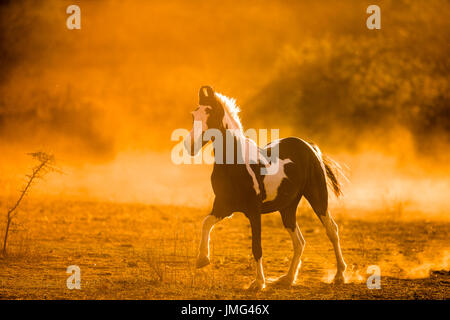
(302, 170)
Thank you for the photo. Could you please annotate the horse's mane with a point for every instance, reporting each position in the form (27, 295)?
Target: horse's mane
(231, 112)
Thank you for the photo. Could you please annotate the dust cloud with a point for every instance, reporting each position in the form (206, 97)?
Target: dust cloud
(105, 99)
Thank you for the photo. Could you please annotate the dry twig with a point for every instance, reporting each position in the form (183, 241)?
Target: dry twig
(46, 164)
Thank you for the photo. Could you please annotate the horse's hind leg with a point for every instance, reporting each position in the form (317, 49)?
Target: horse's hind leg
(333, 234)
(288, 215)
(319, 202)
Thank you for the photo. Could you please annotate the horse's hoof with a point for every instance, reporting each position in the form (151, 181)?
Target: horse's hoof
(339, 279)
(202, 261)
(284, 280)
(256, 285)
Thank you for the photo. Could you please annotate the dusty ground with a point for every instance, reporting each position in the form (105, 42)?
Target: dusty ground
(148, 252)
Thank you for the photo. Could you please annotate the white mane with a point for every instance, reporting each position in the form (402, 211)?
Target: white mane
(231, 118)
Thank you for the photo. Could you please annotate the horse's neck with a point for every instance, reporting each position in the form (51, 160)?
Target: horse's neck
(248, 149)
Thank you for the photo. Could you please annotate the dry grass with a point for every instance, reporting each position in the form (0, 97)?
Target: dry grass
(130, 251)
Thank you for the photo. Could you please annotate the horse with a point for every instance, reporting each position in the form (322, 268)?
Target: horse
(242, 186)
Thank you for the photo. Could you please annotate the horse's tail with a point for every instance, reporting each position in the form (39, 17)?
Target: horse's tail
(332, 170)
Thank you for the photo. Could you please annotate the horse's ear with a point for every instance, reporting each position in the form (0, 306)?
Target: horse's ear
(206, 96)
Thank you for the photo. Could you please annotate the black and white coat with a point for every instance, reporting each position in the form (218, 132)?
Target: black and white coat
(240, 186)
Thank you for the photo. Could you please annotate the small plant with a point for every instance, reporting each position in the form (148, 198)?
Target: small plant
(156, 265)
(45, 165)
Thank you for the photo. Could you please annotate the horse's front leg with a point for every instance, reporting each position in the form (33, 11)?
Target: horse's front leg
(203, 255)
(255, 222)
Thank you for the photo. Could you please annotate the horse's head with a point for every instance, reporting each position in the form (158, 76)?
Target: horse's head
(208, 115)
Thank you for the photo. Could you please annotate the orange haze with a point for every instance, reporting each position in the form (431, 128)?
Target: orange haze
(105, 99)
